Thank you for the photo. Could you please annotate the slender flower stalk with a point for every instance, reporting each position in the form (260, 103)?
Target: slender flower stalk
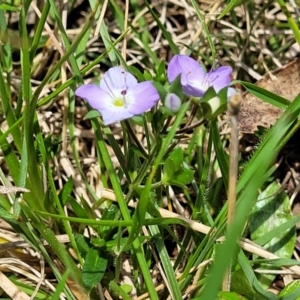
(234, 108)
(119, 95)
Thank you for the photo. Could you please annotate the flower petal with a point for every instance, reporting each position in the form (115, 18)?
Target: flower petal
(182, 64)
(192, 74)
(94, 95)
(193, 90)
(116, 80)
(220, 78)
(144, 96)
(112, 114)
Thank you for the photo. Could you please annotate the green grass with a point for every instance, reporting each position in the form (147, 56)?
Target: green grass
(99, 201)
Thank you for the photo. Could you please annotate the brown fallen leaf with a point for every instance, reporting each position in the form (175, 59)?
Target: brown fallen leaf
(284, 82)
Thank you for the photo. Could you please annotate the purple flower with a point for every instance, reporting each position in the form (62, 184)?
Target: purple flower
(172, 102)
(195, 80)
(119, 95)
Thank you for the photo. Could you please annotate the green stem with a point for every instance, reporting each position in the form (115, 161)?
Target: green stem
(140, 213)
(153, 185)
(291, 21)
(57, 247)
(64, 58)
(39, 30)
(124, 210)
(137, 142)
(146, 166)
(205, 28)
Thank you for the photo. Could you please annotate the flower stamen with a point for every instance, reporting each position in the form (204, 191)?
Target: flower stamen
(206, 83)
(123, 73)
(123, 93)
(214, 78)
(108, 87)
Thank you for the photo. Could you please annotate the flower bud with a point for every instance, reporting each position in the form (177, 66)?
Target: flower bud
(172, 102)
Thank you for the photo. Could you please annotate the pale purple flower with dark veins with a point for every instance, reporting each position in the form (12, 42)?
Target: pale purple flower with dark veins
(119, 95)
(195, 80)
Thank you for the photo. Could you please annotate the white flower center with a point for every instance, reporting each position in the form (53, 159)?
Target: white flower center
(118, 102)
(122, 100)
(204, 85)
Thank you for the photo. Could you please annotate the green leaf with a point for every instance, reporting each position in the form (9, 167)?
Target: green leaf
(93, 269)
(109, 213)
(176, 172)
(92, 114)
(127, 288)
(148, 75)
(278, 262)
(83, 244)
(117, 290)
(4, 203)
(172, 164)
(107, 42)
(293, 24)
(232, 296)
(248, 271)
(222, 157)
(16, 209)
(38, 39)
(52, 146)
(77, 208)
(272, 209)
(265, 95)
(6, 215)
(176, 87)
(118, 14)
(166, 262)
(229, 7)
(176, 158)
(136, 72)
(212, 108)
(241, 285)
(102, 148)
(161, 72)
(213, 104)
(252, 178)
(160, 89)
(139, 120)
(8, 7)
(66, 191)
(185, 176)
(291, 290)
(59, 288)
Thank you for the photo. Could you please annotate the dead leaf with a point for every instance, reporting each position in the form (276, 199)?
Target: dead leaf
(284, 82)
(11, 289)
(12, 189)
